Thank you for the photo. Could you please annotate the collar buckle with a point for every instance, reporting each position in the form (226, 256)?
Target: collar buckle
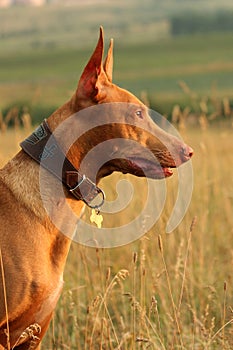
(88, 192)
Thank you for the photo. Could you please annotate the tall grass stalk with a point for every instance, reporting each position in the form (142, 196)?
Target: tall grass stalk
(185, 263)
(174, 308)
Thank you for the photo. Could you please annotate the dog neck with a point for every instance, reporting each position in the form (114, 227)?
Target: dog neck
(27, 185)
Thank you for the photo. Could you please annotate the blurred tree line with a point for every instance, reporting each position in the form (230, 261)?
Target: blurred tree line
(196, 22)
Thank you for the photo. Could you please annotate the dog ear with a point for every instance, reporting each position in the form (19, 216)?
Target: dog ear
(93, 76)
(108, 63)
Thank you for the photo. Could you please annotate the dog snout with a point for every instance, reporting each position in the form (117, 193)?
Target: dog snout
(178, 154)
(186, 153)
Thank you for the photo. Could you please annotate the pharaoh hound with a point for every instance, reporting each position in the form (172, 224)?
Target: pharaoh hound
(33, 249)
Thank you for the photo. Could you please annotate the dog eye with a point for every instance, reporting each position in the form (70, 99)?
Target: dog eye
(139, 114)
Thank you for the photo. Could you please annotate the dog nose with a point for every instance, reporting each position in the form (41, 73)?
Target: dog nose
(187, 152)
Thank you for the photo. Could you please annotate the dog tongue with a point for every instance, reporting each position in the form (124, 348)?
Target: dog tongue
(167, 172)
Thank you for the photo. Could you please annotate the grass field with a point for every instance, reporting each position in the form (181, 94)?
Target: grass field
(172, 294)
(167, 292)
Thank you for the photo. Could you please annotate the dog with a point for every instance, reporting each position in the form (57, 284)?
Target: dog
(33, 250)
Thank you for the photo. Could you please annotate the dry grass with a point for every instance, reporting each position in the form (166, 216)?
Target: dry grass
(163, 291)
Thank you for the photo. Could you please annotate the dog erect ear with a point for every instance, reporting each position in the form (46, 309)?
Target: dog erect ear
(108, 63)
(93, 77)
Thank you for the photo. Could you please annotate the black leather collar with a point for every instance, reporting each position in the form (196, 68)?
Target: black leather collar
(80, 186)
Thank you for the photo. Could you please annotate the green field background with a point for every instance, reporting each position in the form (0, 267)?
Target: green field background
(43, 51)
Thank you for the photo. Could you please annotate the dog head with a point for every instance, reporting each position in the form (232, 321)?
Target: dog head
(95, 88)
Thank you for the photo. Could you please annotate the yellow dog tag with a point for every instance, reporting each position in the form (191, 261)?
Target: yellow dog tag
(96, 218)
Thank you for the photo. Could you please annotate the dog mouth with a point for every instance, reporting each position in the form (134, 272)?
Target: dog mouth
(147, 168)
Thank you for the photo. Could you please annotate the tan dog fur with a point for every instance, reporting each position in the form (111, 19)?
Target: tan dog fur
(33, 251)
